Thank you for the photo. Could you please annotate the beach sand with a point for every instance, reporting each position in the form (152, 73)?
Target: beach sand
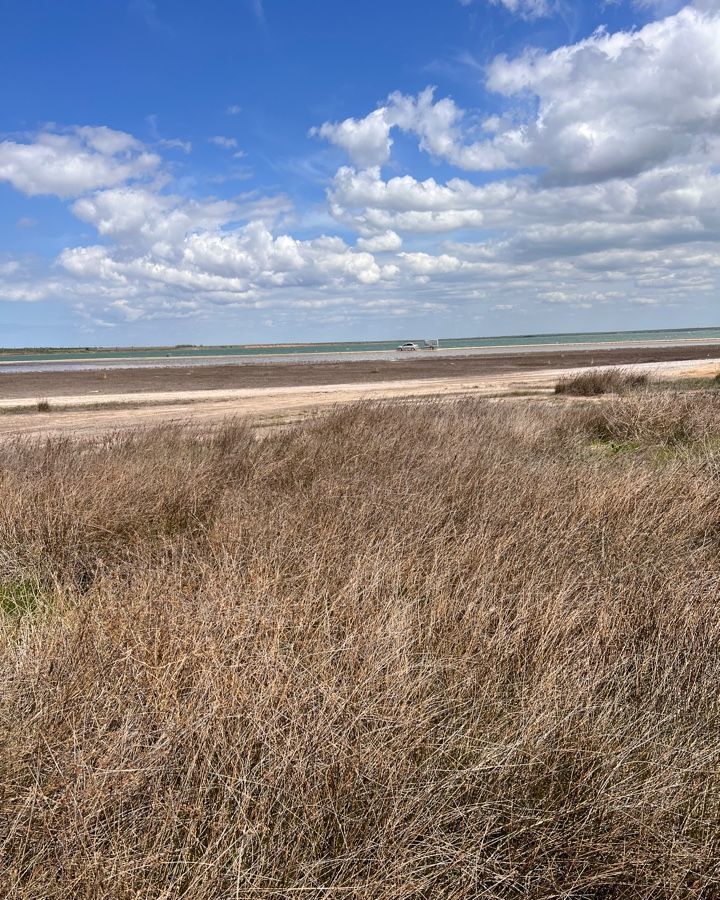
(119, 380)
(93, 402)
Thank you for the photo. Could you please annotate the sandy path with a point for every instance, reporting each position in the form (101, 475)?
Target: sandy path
(272, 404)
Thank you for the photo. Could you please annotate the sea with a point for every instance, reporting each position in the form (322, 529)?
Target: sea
(99, 358)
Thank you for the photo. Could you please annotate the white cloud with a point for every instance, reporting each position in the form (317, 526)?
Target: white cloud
(128, 312)
(370, 204)
(139, 216)
(624, 130)
(527, 9)
(72, 163)
(228, 143)
(617, 104)
(659, 7)
(611, 105)
(687, 195)
(436, 123)
(234, 264)
(429, 264)
(385, 242)
(176, 144)
(17, 286)
(367, 141)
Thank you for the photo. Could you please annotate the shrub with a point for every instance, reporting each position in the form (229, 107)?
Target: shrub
(43, 406)
(665, 418)
(593, 382)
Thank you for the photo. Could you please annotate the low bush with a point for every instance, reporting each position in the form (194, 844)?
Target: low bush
(594, 382)
(665, 418)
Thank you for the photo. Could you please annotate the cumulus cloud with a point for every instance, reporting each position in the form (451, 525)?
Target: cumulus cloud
(385, 242)
(430, 264)
(367, 141)
(616, 104)
(72, 163)
(612, 105)
(604, 189)
(139, 216)
(370, 204)
(366, 202)
(233, 265)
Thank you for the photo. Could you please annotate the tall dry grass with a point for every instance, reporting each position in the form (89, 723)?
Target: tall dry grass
(592, 382)
(400, 652)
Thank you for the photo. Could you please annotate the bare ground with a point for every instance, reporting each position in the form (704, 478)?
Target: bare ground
(63, 383)
(275, 394)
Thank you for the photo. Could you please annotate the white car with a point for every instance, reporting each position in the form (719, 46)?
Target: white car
(408, 346)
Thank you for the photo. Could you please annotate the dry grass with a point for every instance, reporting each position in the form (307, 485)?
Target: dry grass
(594, 382)
(398, 652)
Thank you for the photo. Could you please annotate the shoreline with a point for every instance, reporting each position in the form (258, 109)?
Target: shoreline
(49, 383)
(92, 414)
(539, 380)
(291, 358)
(294, 345)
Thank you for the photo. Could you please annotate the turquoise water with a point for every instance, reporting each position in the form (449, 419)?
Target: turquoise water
(596, 337)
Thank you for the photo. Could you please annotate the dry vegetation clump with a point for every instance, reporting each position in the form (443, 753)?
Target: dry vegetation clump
(668, 418)
(432, 651)
(593, 382)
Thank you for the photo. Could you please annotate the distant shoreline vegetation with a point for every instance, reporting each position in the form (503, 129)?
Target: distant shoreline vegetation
(489, 340)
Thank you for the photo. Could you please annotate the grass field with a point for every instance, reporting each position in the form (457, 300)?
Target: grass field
(454, 650)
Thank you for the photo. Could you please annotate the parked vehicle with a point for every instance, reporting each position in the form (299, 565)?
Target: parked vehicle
(408, 346)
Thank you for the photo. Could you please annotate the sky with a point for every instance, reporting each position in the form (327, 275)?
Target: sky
(239, 171)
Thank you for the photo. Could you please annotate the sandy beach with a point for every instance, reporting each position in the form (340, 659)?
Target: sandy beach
(93, 402)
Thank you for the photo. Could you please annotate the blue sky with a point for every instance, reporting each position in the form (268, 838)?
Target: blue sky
(267, 171)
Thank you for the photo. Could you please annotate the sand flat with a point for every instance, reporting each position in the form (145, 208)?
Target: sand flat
(94, 413)
(114, 380)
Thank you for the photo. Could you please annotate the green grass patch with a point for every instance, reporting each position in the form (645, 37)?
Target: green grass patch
(20, 597)
(613, 448)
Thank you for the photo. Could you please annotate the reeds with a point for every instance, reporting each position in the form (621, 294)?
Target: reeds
(430, 651)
